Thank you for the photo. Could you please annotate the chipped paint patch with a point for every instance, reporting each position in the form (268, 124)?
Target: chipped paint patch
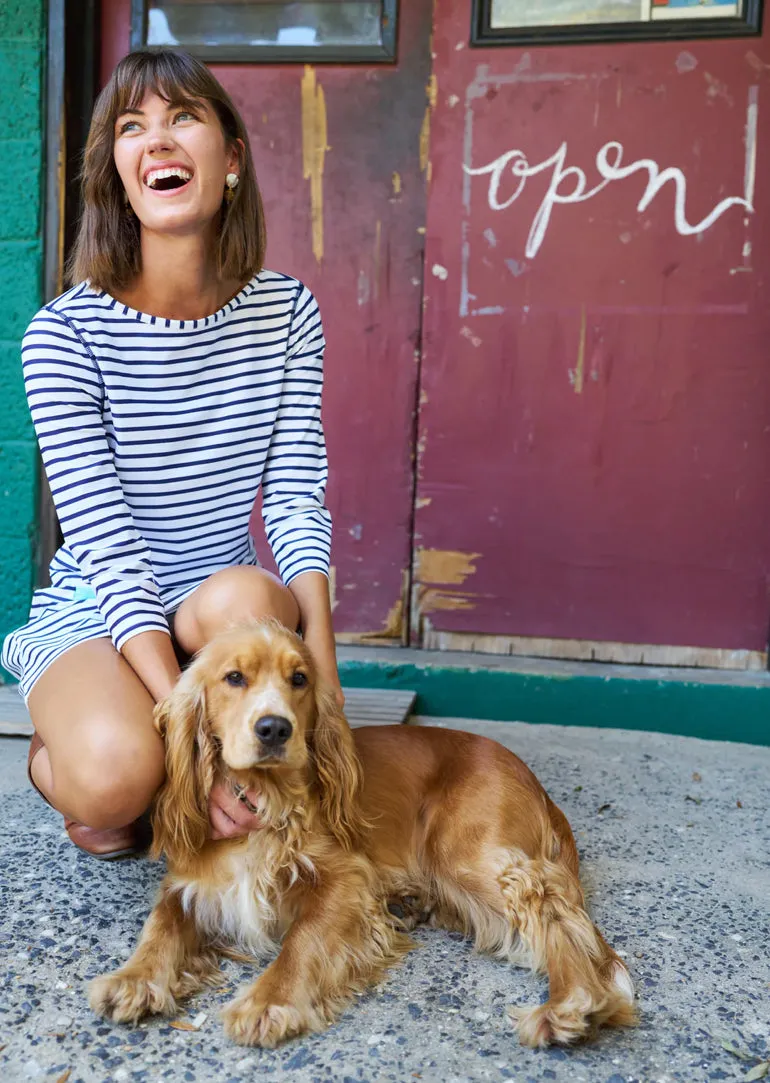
(473, 339)
(423, 502)
(577, 376)
(363, 291)
(396, 179)
(452, 101)
(715, 88)
(516, 267)
(685, 62)
(377, 255)
(425, 141)
(394, 623)
(432, 600)
(490, 238)
(314, 150)
(440, 272)
(445, 566)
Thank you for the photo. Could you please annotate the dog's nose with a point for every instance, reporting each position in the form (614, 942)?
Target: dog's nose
(273, 730)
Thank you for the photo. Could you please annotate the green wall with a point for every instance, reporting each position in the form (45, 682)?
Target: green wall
(22, 74)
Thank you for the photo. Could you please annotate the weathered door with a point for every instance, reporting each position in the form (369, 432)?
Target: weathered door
(594, 430)
(337, 151)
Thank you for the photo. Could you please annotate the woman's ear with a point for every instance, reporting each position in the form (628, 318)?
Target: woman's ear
(180, 819)
(338, 770)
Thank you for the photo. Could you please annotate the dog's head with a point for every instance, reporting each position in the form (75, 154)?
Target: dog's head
(247, 705)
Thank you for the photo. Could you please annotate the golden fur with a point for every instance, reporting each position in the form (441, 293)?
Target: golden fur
(452, 826)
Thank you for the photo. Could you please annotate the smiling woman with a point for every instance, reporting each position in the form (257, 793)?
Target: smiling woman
(174, 379)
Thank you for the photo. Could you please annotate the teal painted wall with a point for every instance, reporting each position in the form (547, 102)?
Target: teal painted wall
(22, 74)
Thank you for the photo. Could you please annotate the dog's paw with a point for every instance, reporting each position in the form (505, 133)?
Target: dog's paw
(249, 1020)
(126, 997)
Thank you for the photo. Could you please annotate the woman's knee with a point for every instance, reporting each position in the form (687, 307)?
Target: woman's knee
(112, 781)
(231, 596)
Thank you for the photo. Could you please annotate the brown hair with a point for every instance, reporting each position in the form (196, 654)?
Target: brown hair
(107, 250)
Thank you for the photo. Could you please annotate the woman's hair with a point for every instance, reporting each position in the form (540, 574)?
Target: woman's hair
(107, 250)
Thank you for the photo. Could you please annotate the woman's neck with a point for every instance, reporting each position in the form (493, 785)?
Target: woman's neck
(178, 280)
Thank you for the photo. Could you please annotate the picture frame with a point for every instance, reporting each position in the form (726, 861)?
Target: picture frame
(658, 25)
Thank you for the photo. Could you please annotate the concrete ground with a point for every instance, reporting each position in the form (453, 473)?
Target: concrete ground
(675, 839)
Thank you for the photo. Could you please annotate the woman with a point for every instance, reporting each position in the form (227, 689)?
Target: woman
(165, 387)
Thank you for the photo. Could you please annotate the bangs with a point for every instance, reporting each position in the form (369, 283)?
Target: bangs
(172, 78)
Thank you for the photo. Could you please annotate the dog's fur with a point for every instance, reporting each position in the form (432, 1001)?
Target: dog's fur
(451, 825)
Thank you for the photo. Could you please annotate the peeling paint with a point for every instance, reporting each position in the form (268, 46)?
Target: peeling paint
(432, 600)
(577, 377)
(473, 339)
(440, 272)
(516, 267)
(396, 183)
(423, 502)
(425, 141)
(452, 101)
(314, 150)
(377, 256)
(685, 62)
(432, 90)
(445, 566)
(490, 238)
(363, 292)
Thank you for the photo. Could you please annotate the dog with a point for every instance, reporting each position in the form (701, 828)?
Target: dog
(442, 826)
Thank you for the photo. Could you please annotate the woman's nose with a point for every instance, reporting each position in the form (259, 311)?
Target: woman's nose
(159, 138)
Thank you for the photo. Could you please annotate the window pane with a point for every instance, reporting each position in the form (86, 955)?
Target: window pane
(265, 22)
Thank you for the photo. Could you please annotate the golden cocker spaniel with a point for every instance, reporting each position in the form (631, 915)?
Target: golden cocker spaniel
(451, 825)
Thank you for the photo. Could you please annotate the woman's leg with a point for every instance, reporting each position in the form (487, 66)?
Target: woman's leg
(103, 761)
(229, 597)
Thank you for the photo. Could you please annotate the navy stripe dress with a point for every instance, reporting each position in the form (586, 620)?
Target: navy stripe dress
(156, 435)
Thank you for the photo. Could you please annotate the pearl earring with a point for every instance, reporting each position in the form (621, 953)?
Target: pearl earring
(231, 182)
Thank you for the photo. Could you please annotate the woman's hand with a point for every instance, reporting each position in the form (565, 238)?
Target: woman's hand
(229, 817)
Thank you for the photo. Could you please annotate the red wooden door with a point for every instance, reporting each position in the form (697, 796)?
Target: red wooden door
(337, 151)
(594, 431)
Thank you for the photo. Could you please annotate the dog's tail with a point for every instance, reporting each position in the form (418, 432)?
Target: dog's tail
(589, 983)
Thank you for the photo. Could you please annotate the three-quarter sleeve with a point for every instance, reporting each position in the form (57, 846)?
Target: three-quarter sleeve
(66, 400)
(297, 523)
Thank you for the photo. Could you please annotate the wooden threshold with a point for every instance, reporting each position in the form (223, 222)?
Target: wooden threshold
(588, 650)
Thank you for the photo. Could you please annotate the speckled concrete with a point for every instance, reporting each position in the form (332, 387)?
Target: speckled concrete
(678, 876)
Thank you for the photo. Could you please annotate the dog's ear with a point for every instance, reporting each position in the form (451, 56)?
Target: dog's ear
(180, 819)
(339, 772)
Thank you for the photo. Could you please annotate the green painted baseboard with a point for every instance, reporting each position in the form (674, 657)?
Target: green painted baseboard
(721, 707)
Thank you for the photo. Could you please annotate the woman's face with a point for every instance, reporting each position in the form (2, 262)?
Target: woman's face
(173, 161)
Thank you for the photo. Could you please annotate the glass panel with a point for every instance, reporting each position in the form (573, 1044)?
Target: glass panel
(506, 13)
(265, 22)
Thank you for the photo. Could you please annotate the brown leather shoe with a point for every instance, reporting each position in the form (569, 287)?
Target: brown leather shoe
(105, 845)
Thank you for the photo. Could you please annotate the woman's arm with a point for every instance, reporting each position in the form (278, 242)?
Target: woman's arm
(152, 657)
(297, 523)
(312, 593)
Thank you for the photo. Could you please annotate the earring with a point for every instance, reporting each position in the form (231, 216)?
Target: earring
(231, 183)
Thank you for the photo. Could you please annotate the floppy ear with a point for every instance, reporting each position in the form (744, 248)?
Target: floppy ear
(180, 819)
(339, 772)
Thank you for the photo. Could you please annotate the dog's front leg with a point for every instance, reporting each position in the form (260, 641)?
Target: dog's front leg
(340, 943)
(170, 963)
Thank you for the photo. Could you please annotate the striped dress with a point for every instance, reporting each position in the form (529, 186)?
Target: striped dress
(156, 435)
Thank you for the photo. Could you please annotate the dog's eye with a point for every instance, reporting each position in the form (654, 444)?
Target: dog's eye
(236, 679)
(298, 680)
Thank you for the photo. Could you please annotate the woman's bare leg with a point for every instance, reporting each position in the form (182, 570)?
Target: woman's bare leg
(103, 760)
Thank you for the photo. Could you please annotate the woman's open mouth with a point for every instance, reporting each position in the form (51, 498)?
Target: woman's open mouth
(167, 181)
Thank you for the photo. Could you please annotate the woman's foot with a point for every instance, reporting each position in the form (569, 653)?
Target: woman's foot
(105, 845)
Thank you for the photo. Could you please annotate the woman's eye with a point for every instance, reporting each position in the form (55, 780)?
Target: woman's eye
(127, 126)
(184, 115)
(236, 679)
(298, 680)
